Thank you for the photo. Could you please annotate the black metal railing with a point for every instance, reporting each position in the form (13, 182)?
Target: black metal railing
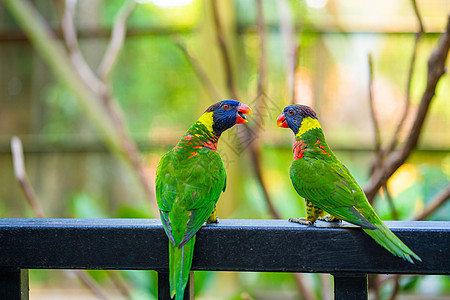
(232, 245)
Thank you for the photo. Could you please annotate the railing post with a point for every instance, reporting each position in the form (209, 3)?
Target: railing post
(164, 288)
(350, 286)
(14, 284)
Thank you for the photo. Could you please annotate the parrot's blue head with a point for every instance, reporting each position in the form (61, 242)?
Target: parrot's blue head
(293, 115)
(227, 113)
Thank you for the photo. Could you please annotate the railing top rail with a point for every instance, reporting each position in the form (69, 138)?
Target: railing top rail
(231, 245)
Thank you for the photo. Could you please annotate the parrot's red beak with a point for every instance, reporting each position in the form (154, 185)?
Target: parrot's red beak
(281, 121)
(242, 111)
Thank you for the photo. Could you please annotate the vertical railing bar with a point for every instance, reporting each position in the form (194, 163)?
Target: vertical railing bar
(164, 287)
(351, 286)
(189, 292)
(14, 284)
(24, 284)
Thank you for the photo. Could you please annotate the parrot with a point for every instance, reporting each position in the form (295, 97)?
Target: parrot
(189, 180)
(327, 185)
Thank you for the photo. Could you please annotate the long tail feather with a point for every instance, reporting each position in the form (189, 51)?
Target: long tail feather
(180, 266)
(383, 236)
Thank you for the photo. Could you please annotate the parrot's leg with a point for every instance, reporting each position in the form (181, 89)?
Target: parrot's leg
(312, 215)
(213, 218)
(329, 218)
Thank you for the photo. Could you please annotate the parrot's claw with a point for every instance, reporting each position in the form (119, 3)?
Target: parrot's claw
(329, 218)
(302, 221)
(212, 220)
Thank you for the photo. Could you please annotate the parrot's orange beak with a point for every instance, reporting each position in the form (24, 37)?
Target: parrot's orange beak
(242, 111)
(281, 121)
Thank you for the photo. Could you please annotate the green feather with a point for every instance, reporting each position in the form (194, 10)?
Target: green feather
(383, 236)
(180, 265)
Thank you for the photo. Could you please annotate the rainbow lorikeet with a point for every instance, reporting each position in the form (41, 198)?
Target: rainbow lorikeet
(327, 185)
(189, 181)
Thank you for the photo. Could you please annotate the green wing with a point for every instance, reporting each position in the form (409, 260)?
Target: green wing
(331, 187)
(187, 191)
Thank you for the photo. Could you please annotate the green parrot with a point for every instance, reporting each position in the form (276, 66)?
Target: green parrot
(189, 181)
(327, 185)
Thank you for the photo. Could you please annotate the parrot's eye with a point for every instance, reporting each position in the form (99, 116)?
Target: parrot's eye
(225, 106)
(291, 111)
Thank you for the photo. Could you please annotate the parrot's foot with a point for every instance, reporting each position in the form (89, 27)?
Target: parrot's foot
(329, 218)
(213, 220)
(213, 217)
(302, 221)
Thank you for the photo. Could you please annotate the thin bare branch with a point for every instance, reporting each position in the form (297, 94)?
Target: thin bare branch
(112, 107)
(374, 284)
(441, 198)
(390, 202)
(70, 37)
(198, 69)
(287, 30)
(376, 128)
(22, 177)
(225, 53)
(436, 68)
(327, 289)
(131, 151)
(45, 43)
(377, 140)
(394, 140)
(248, 134)
(101, 88)
(117, 39)
(418, 16)
(261, 86)
(255, 147)
(118, 282)
(412, 63)
(379, 159)
(83, 82)
(396, 288)
(302, 287)
(256, 163)
(84, 277)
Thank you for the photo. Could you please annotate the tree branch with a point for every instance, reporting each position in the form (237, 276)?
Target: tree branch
(117, 39)
(77, 58)
(85, 278)
(225, 53)
(94, 100)
(255, 147)
(379, 159)
(22, 177)
(377, 141)
(396, 288)
(53, 53)
(287, 30)
(390, 202)
(394, 140)
(198, 69)
(436, 68)
(434, 204)
(305, 293)
(30, 195)
(419, 18)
